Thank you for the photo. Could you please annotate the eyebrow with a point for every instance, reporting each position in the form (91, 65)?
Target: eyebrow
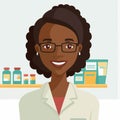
(69, 39)
(47, 40)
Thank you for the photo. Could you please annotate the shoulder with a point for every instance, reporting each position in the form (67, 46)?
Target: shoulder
(86, 97)
(31, 97)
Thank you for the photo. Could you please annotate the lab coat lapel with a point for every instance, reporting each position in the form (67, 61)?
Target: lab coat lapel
(47, 95)
(69, 98)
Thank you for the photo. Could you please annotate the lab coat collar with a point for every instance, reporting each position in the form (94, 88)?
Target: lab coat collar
(68, 100)
(70, 97)
(47, 95)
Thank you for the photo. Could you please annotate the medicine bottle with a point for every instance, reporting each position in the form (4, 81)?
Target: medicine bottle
(6, 76)
(17, 76)
(32, 78)
(25, 80)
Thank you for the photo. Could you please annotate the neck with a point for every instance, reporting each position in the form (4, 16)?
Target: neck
(58, 85)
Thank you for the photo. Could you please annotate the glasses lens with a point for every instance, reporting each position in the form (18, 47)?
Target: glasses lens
(69, 47)
(47, 47)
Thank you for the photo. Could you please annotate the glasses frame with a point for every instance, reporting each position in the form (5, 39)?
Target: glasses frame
(60, 46)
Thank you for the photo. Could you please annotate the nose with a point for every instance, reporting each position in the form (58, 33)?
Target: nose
(58, 52)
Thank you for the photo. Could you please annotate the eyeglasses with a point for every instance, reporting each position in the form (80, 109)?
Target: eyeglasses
(67, 47)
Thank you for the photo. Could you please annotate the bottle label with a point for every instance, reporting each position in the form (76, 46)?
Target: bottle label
(79, 78)
(6, 77)
(32, 78)
(25, 77)
(17, 77)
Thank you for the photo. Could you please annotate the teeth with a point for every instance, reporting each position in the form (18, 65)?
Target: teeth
(58, 63)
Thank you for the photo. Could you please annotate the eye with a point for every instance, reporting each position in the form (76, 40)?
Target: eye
(47, 46)
(69, 46)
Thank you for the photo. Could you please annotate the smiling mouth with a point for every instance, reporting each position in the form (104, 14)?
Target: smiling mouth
(58, 64)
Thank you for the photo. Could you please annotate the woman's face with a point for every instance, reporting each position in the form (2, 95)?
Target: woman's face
(58, 59)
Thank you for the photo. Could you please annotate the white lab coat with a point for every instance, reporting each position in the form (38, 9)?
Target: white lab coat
(77, 105)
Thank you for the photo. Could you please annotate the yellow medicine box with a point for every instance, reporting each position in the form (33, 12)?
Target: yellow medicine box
(90, 77)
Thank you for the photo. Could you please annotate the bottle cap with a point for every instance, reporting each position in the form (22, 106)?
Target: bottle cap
(6, 68)
(16, 68)
(25, 74)
(32, 74)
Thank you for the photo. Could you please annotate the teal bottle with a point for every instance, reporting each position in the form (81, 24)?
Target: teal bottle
(32, 78)
(25, 79)
(6, 76)
(17, 76)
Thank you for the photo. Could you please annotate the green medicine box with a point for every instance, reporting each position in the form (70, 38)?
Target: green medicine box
(102, 71)
(79, 77)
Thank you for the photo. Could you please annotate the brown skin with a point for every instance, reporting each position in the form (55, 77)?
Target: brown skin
(58, 34)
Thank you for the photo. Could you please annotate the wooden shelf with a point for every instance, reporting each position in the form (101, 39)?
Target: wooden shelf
(39, 85)
(91, 85)
(20, 85)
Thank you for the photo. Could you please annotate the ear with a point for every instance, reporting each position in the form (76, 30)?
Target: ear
(79, 47)
(37, 48)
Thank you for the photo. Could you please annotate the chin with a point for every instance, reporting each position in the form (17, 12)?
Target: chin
(57, 72)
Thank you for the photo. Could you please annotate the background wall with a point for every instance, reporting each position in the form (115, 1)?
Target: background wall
(16, 18)
(109, 109)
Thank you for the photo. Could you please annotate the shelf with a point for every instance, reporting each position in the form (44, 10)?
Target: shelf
(39, 85)
(20, 86)
(91, 85)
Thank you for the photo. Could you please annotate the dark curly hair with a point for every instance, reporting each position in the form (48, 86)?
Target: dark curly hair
(70, 17)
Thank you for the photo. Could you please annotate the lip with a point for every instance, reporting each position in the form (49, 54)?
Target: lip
(58, 63)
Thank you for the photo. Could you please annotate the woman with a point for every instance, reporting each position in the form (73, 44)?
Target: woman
(58, 46)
